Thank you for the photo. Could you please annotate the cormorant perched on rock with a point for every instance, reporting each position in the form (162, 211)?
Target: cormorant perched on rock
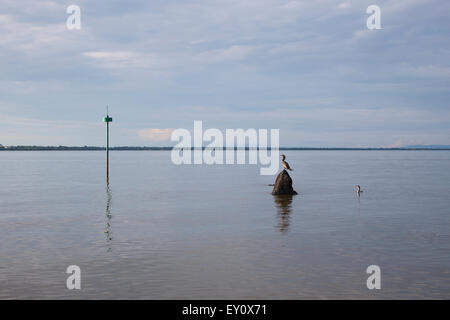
(284, 163)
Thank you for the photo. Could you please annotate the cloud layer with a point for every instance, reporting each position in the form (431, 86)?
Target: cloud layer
(310, 68)
(155, 135)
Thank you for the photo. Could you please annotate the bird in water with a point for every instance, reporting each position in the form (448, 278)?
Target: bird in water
(358, 189)
(284, 163)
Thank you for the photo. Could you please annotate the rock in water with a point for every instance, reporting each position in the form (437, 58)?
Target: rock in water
(283, 184)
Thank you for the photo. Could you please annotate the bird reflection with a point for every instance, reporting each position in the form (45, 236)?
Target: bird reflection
(108, 216)
(283, 204)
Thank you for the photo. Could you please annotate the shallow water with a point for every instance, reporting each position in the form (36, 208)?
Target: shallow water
(215, 232)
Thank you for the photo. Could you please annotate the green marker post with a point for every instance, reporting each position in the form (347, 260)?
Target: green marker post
(107, 119)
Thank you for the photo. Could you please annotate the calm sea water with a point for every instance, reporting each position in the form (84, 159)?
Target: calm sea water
(215, 232)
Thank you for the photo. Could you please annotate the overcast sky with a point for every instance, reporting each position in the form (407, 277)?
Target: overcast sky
(309, 68)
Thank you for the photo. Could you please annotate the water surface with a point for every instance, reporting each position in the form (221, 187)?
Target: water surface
(162, 231)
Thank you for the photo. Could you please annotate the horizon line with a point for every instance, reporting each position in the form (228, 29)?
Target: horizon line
(124, 148)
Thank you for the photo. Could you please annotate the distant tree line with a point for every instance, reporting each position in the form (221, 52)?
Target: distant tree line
(75, 148)
(125, 148)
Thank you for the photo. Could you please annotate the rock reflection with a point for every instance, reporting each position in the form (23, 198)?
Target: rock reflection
(283, 204)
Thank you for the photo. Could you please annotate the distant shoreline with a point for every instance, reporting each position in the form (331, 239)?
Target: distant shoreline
(124, 148)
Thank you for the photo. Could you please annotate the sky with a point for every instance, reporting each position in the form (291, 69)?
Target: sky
(311, 69)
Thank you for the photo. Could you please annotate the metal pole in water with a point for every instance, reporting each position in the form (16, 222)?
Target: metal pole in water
(107, 119)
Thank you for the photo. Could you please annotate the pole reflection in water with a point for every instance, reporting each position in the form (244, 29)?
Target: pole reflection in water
(108, 216)
(283, 204)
